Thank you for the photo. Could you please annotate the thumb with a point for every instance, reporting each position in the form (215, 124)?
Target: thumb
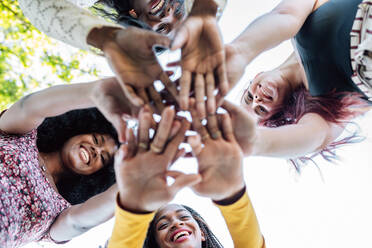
(159, 39)
(121, 154)
(230, 107)
(121, 126)
(182, 180)
(180, 39)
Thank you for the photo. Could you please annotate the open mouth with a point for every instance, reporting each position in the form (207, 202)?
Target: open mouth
(84, 154)
(180, 236)
(157, 6)
(268, 92)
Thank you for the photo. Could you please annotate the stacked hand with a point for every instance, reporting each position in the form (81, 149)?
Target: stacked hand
(130, 55)
(203, 57)
(220, 160)
(141, 168)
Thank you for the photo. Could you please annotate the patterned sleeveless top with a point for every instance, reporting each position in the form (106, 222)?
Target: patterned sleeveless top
(28, 203)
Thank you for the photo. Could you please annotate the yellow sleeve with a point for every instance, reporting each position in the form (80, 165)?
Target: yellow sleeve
(242, 223)
(129, 229)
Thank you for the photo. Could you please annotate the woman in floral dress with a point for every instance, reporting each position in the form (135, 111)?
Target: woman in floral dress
(56, 172)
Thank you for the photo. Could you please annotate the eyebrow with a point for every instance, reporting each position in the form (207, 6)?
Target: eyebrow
(103, 139)
(165, 217)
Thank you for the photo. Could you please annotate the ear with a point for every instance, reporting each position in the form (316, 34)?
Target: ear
(202, 235)
(133, 13)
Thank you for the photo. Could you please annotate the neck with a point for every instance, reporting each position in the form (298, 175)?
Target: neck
(53, 164)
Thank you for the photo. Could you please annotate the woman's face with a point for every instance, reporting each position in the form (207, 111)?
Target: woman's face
(175, 227)
(162, 16)
(267, 91)
(87, 153)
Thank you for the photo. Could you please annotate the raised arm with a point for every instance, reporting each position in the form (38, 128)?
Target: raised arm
(270, 29)
(78, 219)
(31, 110)
(220, 165)
(63, 20)
(310, 134)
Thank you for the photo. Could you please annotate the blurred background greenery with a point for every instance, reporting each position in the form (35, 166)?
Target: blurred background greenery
(29, 60)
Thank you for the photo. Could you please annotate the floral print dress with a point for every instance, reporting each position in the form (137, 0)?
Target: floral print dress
(28, 203)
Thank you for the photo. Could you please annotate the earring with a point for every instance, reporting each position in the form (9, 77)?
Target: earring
(133, 13)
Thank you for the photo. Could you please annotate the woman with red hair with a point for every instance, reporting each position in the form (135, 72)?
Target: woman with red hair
(306, 102)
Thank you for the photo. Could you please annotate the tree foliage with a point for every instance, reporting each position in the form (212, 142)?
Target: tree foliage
(30, 60)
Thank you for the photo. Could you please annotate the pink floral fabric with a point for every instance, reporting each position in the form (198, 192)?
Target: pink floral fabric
(28, 203)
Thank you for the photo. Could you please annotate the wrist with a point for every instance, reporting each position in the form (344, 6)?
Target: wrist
(204, 8)
(97, 37)
(232, 198)
(242, 49)
(125, 204)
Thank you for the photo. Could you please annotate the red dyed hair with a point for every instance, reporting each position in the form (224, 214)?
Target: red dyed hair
(336, 107)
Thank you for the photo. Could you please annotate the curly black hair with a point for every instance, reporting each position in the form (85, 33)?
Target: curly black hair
(211, 240)
(52, 135)
(118, 11)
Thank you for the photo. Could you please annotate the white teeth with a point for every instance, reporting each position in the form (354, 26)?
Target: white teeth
(180, 234)
(157, 7)
(85, 155)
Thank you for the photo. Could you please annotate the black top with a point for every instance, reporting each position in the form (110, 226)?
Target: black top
(323, 44)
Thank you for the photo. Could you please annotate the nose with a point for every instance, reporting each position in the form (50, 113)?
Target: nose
(176, 225)
(96, 150)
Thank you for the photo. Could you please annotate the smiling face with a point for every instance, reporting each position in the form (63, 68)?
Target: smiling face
(175, 227)
(87, 153)
(267, 91)
(163, 16)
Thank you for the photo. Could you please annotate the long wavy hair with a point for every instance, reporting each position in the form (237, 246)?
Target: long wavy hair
(334, 107)
(211, 240)
(52, 135)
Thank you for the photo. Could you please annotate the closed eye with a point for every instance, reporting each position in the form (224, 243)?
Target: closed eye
(95, 140)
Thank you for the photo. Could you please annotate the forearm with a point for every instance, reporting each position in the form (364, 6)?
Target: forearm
(272, 28)
(129, 229)
(62, 20)
(310, 134)
(80, 218)
(204, 7)
(242, 223)
(30, 111)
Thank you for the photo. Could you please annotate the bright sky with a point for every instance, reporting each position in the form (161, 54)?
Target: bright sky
(293, 211)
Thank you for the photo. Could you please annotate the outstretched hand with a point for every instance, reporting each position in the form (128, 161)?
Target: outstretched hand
(141, 172)
(130, 55)
(220, 160)
(203, 57)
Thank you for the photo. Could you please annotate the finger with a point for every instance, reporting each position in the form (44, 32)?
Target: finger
(196, 145)
(180, 153)
(200, 94)
(169, 85)
(163, 131)
(209, 88)
(131, 140)
(196, 122)
(120, 126)
(182, 180)
(185, 83)
(180, 38)
(213, 127)
(173, 145)
(223, 84)
(131, 95)
(174, 64)
(176, 125)
(144, 119)
(156, 98)
(227, 128)
(143, 95)
(121, 154)
(230, 107)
